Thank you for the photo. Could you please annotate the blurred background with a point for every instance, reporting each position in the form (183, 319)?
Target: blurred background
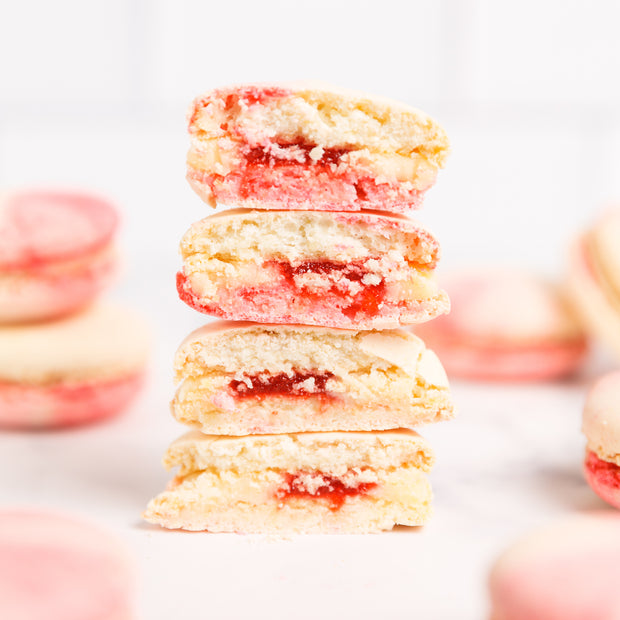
(93, 96)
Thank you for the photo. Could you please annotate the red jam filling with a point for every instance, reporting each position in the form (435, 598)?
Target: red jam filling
(368, 300)
(259, 156)
(606, 473)
(330, 488)
(281, 384)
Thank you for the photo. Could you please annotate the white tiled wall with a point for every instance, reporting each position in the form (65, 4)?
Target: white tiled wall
(94, 94)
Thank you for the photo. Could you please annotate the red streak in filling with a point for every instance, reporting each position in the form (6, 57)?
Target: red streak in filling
(606, 473)
(368, 300)
(281, 385)
(331, 488)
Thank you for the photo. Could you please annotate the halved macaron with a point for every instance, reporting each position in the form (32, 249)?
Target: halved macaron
(347, 483)
(240, 378)
(56, 253)
(348, 270)
(86, 367)
(311, 146)
(601, 426)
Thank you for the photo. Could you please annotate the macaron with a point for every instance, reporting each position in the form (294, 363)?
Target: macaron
(601, 426)
(56, 253)
(56, 567)
(240, 378)
(568, 570)
(310, 146)
(346, 270)
(298, 483)
(594, 280)
(78, 369)
(505, 325)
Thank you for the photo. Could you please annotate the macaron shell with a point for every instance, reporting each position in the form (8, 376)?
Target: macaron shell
(39, 227)
(56, 290)
(601, 417)
(598, 311)
(505, 325)
(54, 567)
(62, 405)
(604, 243)
(564, 571)
(104, 342)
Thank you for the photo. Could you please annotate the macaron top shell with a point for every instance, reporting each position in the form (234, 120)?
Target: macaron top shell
(104, 341)
(496, 306)
(42, 227)
(601, 417)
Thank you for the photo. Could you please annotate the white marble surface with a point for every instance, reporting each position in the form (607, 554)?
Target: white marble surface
(511, 460)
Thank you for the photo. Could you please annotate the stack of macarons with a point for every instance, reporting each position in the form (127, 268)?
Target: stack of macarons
(65, 358)
(303, 396)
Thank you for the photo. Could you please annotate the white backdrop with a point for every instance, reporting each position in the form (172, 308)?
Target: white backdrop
(93, 95)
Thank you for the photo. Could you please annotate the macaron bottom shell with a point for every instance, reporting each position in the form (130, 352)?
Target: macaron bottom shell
(65, 404)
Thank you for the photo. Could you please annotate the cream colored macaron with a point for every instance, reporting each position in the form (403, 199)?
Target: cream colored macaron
(84, 367)
(239, 378)
(333, 482)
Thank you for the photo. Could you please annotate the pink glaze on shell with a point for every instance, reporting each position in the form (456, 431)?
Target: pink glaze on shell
(603, 477)
(54, 567)
(301, 187)
(44, 292)
(25, 406)
(42, 227)
(283, 304)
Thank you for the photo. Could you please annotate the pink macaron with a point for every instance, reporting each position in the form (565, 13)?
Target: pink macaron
(601, 426)
(78, 369)
(568, 570)
(54, 567)
(56, 253)
(594, 280)
(505, 325)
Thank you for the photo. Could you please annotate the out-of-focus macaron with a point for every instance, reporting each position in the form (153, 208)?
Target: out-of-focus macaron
(56, 253)
(594, 279)
(78, 369)
(568, 570)
(601, 426)
(55, 567)
(505, 326)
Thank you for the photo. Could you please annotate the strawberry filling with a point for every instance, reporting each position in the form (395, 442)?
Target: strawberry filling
(315, 485)
(298, 384)
(368, 298)
(606, 473)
